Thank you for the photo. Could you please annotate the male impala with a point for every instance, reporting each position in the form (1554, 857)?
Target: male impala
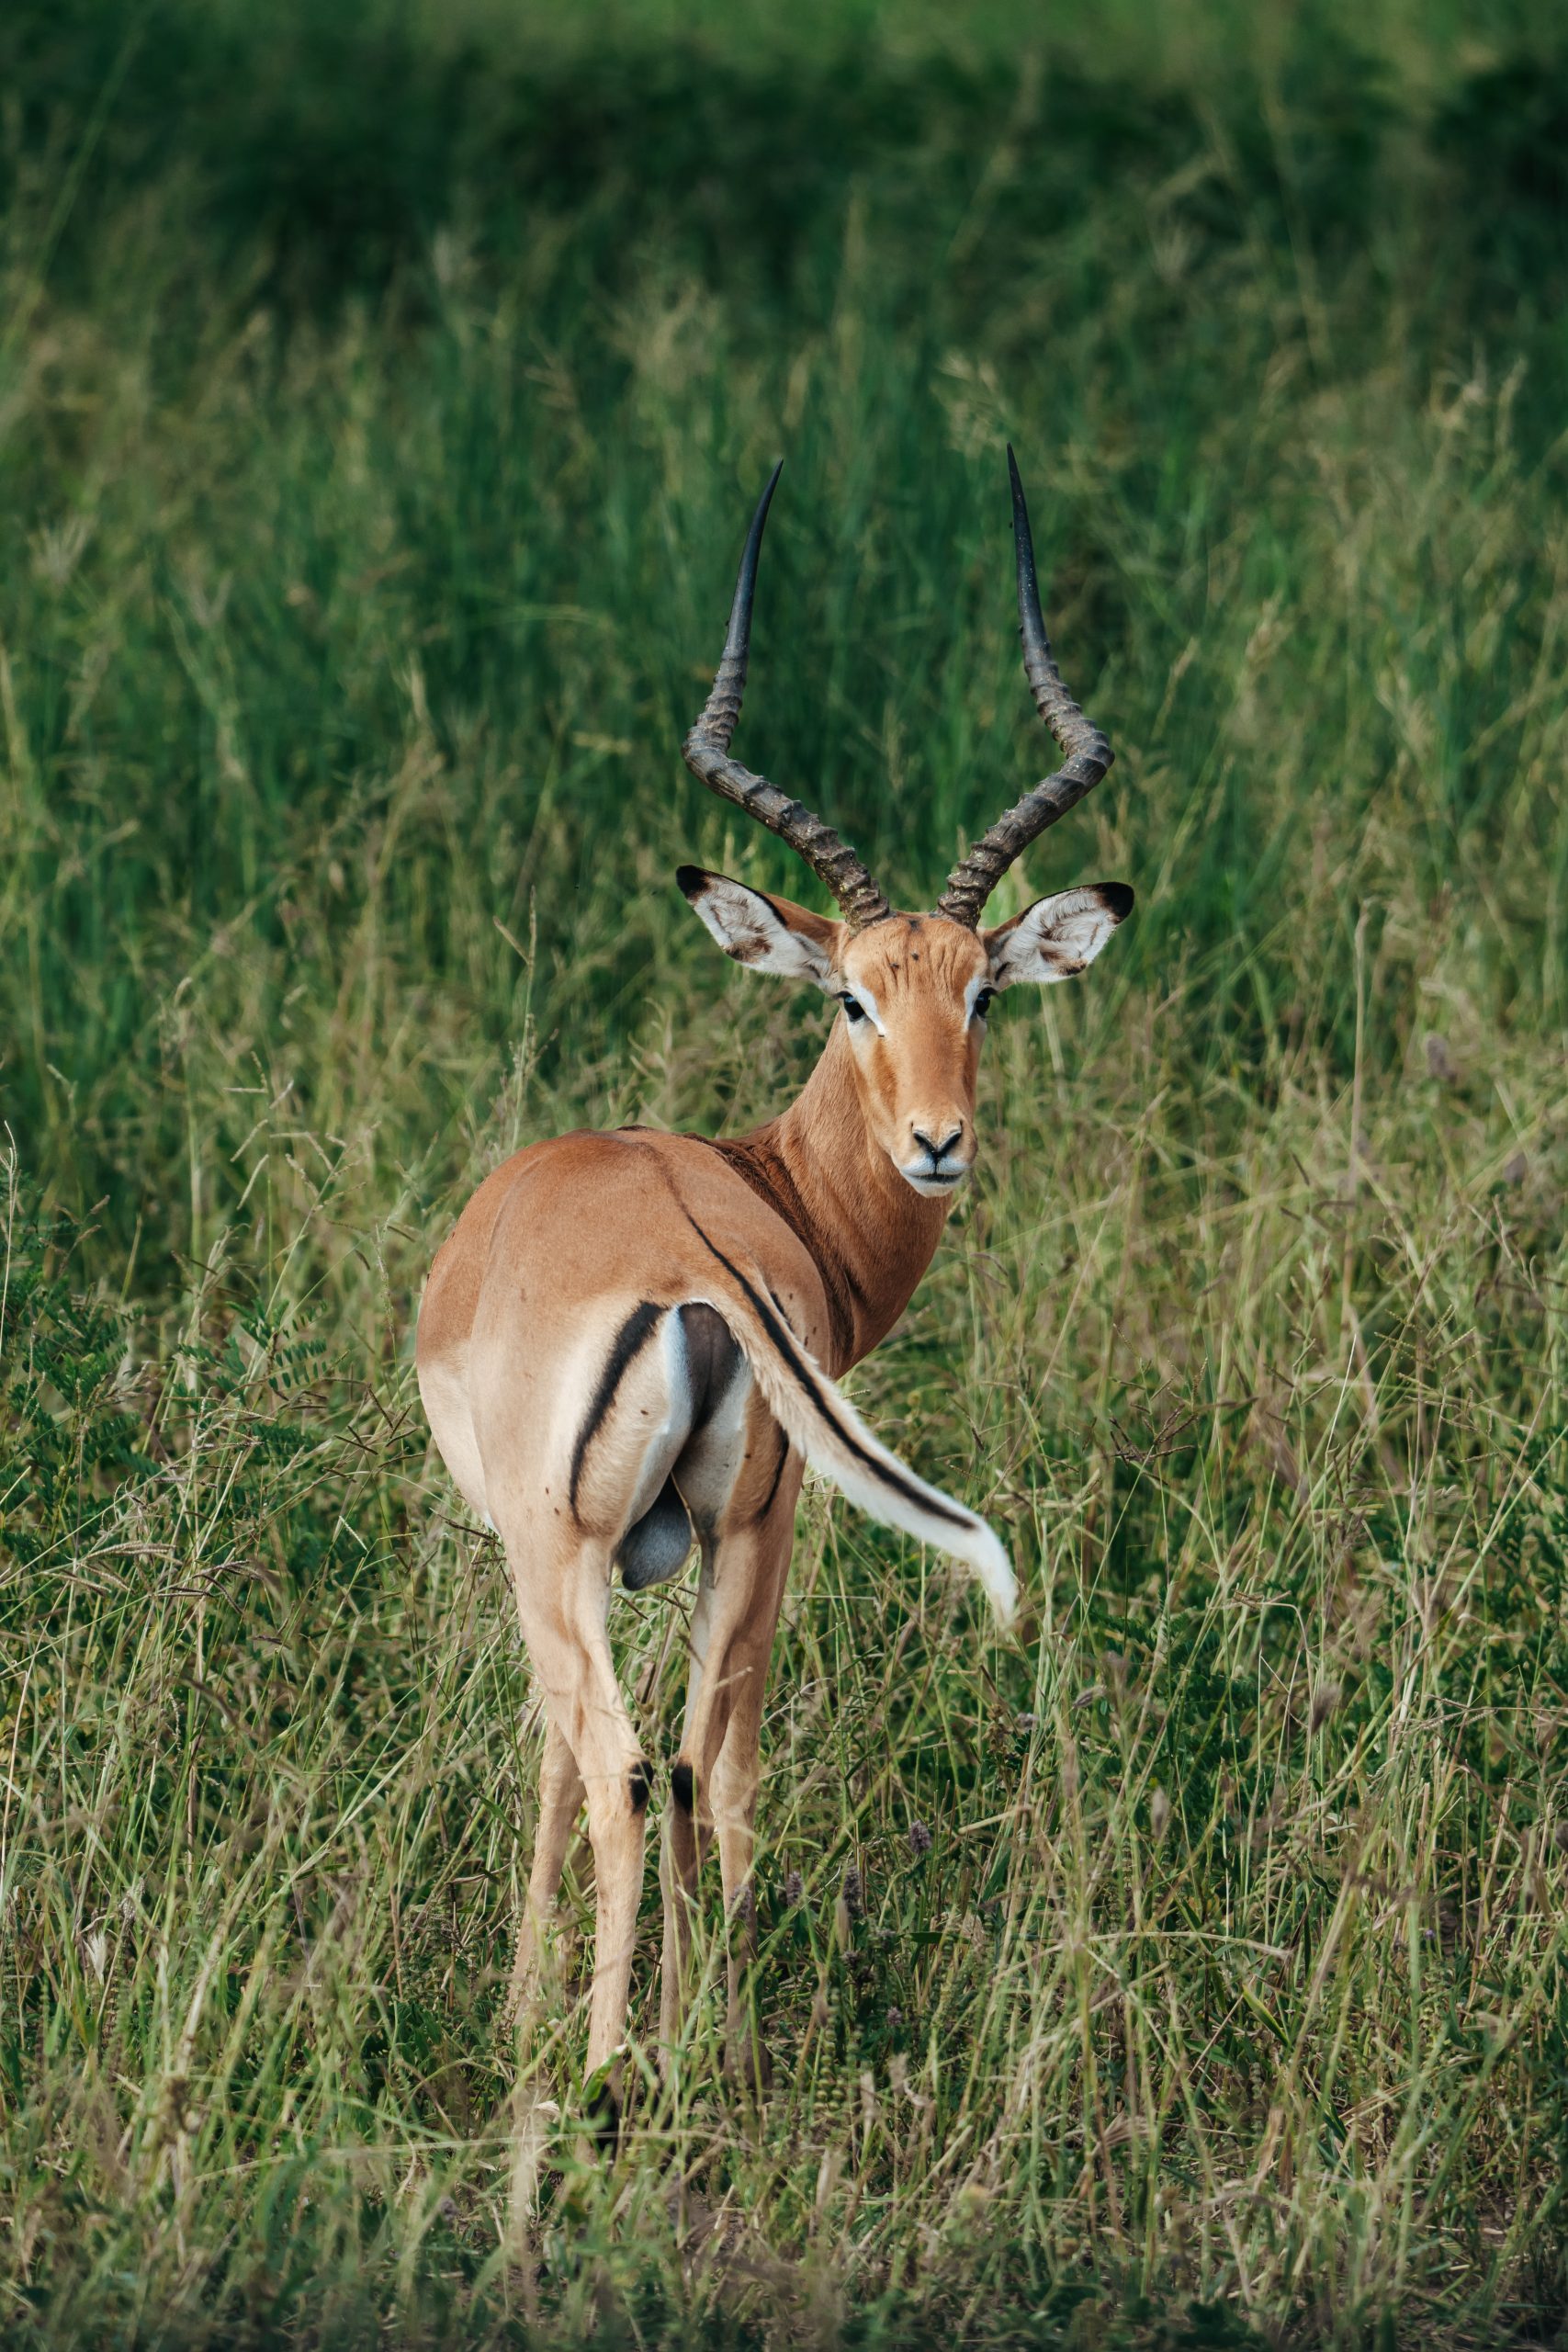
(631, 1339)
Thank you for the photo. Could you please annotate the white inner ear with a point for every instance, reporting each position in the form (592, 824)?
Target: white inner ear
(748, 928)
(1052, 939)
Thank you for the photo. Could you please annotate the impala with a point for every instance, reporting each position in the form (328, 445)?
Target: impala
(631, 1341)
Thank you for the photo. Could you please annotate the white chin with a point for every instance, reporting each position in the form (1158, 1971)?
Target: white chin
(933, 1188)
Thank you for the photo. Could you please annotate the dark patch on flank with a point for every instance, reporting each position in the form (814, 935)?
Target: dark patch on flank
(642, 1786)
(625, 1347)
(682, 1785)
(783, 1339)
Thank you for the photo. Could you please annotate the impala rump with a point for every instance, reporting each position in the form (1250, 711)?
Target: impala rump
(668, 1413)
(689, 1450)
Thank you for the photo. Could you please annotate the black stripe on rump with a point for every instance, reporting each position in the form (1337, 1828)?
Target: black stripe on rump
(782, 1338)
(628, 1344)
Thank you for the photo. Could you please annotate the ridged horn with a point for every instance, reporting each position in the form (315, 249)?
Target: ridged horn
(1088, 755)
(706, 753)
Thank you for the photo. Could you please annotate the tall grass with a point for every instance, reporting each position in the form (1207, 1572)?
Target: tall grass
(381, 400)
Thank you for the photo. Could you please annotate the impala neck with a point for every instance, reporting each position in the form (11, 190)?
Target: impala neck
(872, 1235)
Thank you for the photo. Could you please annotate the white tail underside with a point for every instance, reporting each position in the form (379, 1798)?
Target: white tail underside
(822, 1424)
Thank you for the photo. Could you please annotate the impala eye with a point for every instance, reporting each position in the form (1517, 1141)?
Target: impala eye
(853, 1009)
(984, 1003)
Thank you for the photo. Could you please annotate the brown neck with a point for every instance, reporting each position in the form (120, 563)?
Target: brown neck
(872, 1235)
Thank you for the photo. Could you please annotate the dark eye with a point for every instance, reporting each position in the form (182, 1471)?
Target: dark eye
(853, 1009)
(984, 1003)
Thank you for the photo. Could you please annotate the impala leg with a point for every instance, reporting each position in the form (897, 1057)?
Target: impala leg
(560, 1797)
(747, 1588)
(618, 1801)
(737, 1773)
(570, 1652)
(687, 1828)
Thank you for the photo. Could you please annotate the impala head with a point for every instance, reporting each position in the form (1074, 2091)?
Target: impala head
(915, 989)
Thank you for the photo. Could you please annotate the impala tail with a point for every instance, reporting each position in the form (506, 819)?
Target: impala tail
(822, 1424)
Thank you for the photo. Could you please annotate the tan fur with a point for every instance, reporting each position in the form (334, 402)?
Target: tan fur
(570, 1381)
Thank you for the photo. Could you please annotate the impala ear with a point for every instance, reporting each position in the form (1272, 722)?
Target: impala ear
(1056, 937)
(771, 934)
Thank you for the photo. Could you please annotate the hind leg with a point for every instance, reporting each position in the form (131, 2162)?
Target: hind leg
(720, 1768)
(560, 1796)
(687, 1829)
(563, 1611)
(734, 1779)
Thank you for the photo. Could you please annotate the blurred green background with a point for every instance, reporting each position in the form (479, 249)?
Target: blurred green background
(383, 393)
(384, 398)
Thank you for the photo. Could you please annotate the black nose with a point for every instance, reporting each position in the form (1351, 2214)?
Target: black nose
(938, 1151)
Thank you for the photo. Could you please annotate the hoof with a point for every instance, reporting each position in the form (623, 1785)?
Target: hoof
(602, 2102)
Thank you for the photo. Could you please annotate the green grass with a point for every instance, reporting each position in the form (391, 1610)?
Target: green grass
(382, 394)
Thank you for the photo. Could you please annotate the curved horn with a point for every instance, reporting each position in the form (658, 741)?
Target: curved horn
(1088, 755)
(706, 753)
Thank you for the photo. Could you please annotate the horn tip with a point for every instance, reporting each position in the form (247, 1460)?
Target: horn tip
(754, 537)
(1019, 504)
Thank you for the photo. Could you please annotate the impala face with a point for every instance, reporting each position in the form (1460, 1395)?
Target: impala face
(915, 990)
(915, 994)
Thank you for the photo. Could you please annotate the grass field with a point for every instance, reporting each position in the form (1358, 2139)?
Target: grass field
(382, 394)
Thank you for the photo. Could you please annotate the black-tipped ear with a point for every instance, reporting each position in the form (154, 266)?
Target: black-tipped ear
(1056, 937)
(770, 934)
